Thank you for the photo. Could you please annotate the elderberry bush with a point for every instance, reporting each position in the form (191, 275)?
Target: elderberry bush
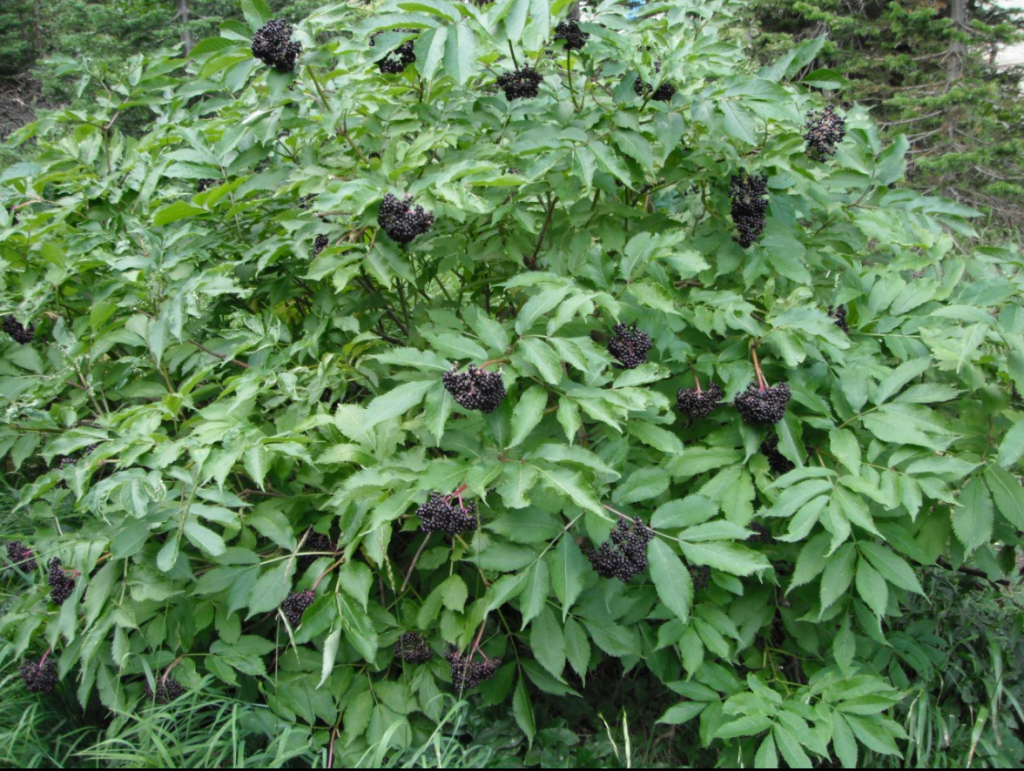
(475, 389)
(698, 403)
(17, 331)
(61, 585)
(272, 44)
(521, 83)
(442, 514)
(763, 404)
(570, 32)
(825, 130)
(624, 554)
(749, 196)
(295, 605)
(466, 673)
(40, 677)
(412, 649)
(402, 220)
(629, 345)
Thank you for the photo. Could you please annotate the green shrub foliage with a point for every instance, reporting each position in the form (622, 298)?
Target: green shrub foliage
(239, 404)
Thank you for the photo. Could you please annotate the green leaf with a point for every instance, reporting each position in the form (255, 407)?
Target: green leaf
(271, 589)
(973, 519)
(838, 575)
(843, 741)
(204, 538)
(681, 713)
(643, 484)
(577, 647)
(430, 51)
(331, 646)
(548, 642)
(1011, 448)
(1008, 495)
(522, 709)
(766, 756)
(542, 356)
(727, 557)
(891, 566)
(671, 579)
(687, 512)
(528, 413)
(396, 402)
(846, 448)
(256, 13)
(872, 588)
(568, 567)
(789, 746)
(748, 725)
(535, 591)
(178, 210)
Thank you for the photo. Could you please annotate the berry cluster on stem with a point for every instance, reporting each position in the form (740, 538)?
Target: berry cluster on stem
(749, 195)
(411, 648)
(41, 677)
(17, 331)
(61, 584)
(403, 221)
(762, 403)
(475, 389)
(396, 60)
(825, 130)
(624, 554)
(629, 345)
(440, 514)
(21, 557)
(696, 402)
(272, 44)
(570, 32)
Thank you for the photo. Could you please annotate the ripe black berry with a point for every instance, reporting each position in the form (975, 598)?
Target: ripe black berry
(624, 555)
(475, 389)
(522, 83)
(412, 649)
(18, 332)
(825, 130)
(629, 346)
(778, 462)
(21, 557)
(468, 674)
(273, 46)
(41, 677)
(295, 605)
(321, 243)
(397, 60)
(749, 205)
(664, 92)
(701, 577)
(570, 32)
(205, 184)
(839, 314)
(167, 690)
(319, 545)
(61, 586)
(403, 221)
(761, 533)
(763, 404)
(440, 515)
(698, 403)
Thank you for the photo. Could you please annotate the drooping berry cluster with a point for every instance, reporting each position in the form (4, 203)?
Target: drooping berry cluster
(306, 202)
(763, 404)
(319, 244)
(466, 673)
(205, 184)
(397, 60)
(403, 221)
(41, 677)
(664, 92)
(574, 37)
(700, 575)
(475, 389)
(18, 332)
(273, 45)
(761, 533)
(629, 345)
(749, 206)
(698, 403)
(440, 515)
(167, 690)
(521, 83)
(21, 557)
(625, 554)
(295, 605)
(62, 586)
(825, 130)
(778, 462)
(412, 649)
(838, 313)
(319, 545)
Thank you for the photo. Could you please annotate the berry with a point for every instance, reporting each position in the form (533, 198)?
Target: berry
(664, 92)
(412, 649)
(629, 346)
(167, 690)
(825, 130)
(403, 221)
(439, 515)
(468, 674)
(570, 32)
(19, 333)
(839, 314)
(624, 555)
(21, 557)
(697, 403)
(61, 586)
(778, 462)
(475, 389)
(701, 577)
(522, 83)
(761, 534)
(397, 60)
(315, 542)
(295, 605)
(41, 677)
(749, 205)
(764, 404)
(321, 243)
(205, 184)
(306, 202)
(273, 46)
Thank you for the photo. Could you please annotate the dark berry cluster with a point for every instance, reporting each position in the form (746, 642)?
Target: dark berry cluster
(21, 557)
(273, 45)
(205, 184)
(412, 649)
(761, 533)
(663, 93)
(403, 221)
(825, 130)
(574, 37)
(167, 690)
(625, 554)
(838, 313)
(700, 575)
(629, 345)
(41, 677)
(763, 404)
(440, 515)
(320, 243)
(18, 332)
(295, 605)
(749, 206)
(698, 403)
(475, 389)
(778, 462)
(397, 60)
(468, 674)
(522, 83)
(306, 202)
(61, 585)
(319, 545)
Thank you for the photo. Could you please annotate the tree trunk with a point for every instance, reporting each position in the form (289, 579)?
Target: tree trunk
(184, 17)
(957, 50)
(37, 29)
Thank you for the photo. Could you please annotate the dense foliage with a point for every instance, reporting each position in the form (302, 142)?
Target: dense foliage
(714, 429)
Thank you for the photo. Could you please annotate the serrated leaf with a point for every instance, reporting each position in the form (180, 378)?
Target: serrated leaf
(527, 414)
(671, 579)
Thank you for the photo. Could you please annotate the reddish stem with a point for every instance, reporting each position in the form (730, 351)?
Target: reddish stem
(45, 657)
(696, 380)
(757, 368)
(325, 574)
(479, 637)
